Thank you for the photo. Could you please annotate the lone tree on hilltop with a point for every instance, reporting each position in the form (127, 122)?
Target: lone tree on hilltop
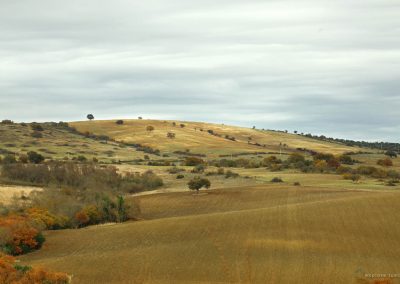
(90, 116)
(197, 183)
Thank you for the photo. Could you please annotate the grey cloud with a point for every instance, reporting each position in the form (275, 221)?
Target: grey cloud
(327, 67)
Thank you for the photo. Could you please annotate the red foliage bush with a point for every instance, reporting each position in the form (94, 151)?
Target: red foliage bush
(16, 274)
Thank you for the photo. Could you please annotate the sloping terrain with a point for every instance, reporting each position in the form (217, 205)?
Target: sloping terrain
(59, 143)
(262, 234)
(196, 137)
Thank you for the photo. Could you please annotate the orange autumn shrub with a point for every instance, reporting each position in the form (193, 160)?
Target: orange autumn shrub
(12, 273)
(44, 219)
(22, 235)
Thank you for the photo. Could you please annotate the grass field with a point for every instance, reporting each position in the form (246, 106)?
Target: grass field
(191, 137)
(261, 234)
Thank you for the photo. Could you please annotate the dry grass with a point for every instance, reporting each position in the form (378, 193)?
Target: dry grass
(59, 143)
(190, 137)
(8, 193)
(263, 234)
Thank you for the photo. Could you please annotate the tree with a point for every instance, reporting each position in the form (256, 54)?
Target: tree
(197, 183)
(90, 116)
(391, 154)
(150, 128)
(35, 158)
(171, 135)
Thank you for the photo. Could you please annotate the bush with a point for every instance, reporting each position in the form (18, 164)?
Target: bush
(276, 180)
(36, 126)
(10, 272)
(296, 183)
(7, 121)
(8, 159)
(199, 169)
(180, 176)
(24, 237)
(391, 154)
(81, 176)
(35, 158)
(343, 170)
(36, 134)
(346, 159)
(353, 177)
(175, 170)
(197, 183)
(295, 158)
(119, 122)
(230, 174)
(387, 162)
(193, 161)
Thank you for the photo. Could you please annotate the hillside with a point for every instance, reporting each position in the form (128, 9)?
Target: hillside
(263, 234)
(196, 137)
(60, 142)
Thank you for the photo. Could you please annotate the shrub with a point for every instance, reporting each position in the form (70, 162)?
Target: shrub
(199, 169)
(119, 122)
(193, 161)
(7, 121)
(343, 170)
(180, 176)
(8, 159)
(36, 126)
(10, 272)
(175, 170)
(35, 158)
(197, 183)
(295, 158)
(391, 182)
(36, 134)
(23, 159)
(230, 174)
(81, 158)
(24, 237)
(353, 177)
(171, 135)
(391, 154)
(387, 162)
(81, 176)
(150, 128)
(296, 183)
(276, 180)
(346, 159)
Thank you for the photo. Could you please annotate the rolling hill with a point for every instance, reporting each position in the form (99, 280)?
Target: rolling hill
(261, 234)
(205, 138)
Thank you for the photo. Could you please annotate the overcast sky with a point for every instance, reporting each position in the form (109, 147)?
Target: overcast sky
(326, 67)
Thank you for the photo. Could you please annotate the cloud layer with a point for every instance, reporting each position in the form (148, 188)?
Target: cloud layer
(326, 67)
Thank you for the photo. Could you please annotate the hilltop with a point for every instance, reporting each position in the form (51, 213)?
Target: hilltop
(206, 138)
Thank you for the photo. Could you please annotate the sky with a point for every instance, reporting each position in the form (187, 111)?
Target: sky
(319, 66)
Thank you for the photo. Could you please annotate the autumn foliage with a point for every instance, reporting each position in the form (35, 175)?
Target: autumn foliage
(12, 273)
(19, 235)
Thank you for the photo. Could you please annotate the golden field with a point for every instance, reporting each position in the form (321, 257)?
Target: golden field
(261, 234)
